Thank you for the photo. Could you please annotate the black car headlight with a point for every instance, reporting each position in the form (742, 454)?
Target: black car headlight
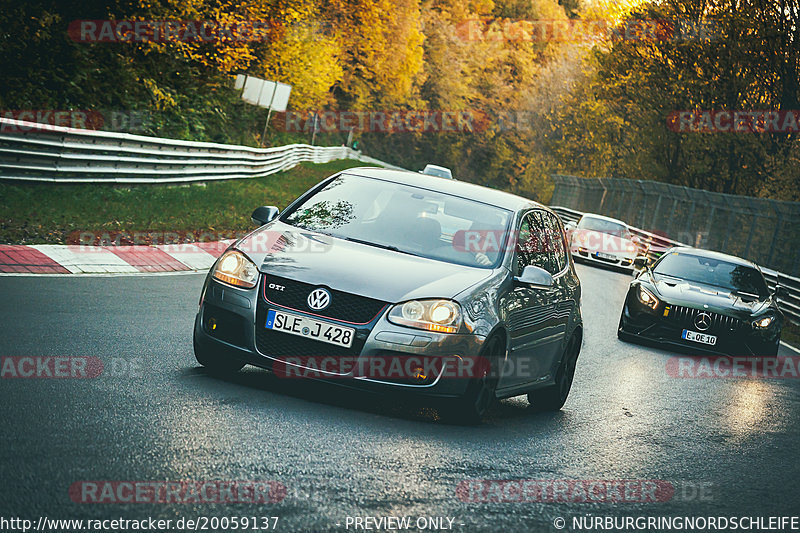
(442, 316)
(646, 297)
(236, 269)
(764, 322)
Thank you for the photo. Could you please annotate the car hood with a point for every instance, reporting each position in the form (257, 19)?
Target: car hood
(693, 294)
(318, 259)
(596, 241)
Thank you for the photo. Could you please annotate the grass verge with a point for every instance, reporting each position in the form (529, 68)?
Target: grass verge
(44, 213)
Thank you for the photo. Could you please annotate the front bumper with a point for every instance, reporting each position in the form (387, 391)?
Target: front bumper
(240, 333)
(638, 324)
(608, 259)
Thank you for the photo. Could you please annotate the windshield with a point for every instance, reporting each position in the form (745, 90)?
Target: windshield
(401, 217)
(604, 226)
(739, 278)
(436, 171)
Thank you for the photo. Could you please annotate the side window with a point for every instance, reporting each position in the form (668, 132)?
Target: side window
(555, 242)
(541, 243)
(533, 247)
(524, 236)
(545, 256)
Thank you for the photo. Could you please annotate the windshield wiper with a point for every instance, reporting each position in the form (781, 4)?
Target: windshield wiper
(378, 245)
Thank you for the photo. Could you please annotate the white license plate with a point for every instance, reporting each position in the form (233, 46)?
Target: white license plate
(699, 337)
(308, 327)
(602, 255)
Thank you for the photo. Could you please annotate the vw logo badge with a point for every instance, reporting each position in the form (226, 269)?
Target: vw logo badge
(319, 299)
(702, 321)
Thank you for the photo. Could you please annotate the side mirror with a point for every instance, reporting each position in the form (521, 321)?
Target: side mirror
(569, 226)
(640, 261)
(264, 214)
(534, 277)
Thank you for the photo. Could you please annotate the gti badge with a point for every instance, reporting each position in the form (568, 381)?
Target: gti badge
(319, 299)
(702, 321)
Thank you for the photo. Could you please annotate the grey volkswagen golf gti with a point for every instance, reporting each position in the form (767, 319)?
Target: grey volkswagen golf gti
(405, 282)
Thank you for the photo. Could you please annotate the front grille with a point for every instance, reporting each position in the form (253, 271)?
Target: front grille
(280, 344)
(685, 316)
(344, 306)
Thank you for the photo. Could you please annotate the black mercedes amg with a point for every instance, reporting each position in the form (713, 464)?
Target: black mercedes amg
(703, 300)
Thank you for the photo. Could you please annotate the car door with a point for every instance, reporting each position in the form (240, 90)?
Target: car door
(535, 320)
(562, 294)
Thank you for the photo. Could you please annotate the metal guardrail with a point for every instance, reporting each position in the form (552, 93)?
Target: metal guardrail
(40, 152)
(788, 294)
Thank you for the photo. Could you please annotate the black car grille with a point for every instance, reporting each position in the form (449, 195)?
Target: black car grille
(280, 344)
(344, 306)
(685, 316)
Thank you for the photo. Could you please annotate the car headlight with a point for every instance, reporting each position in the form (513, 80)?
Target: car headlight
(647, 298)
(443, 316)
(236, 269)
(764, 322)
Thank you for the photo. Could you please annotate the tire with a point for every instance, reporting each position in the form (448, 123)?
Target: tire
(214, 363)
(480, 394)
(553, 397)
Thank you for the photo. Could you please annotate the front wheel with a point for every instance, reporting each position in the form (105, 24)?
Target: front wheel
(480, 394)
(553, 397)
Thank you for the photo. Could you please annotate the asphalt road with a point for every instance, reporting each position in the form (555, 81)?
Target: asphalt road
(728, 447)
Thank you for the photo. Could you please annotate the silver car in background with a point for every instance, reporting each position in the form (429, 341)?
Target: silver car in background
(394, 270)
(606, 241)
